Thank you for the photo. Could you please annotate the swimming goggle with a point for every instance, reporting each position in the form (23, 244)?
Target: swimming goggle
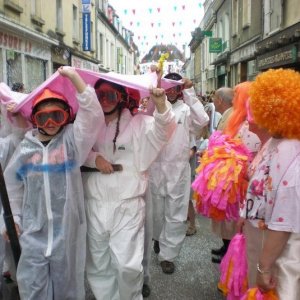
(55, 116)
(109, 96)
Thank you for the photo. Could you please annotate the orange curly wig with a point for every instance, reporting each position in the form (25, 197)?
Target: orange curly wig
(239, 114)
(275, 102)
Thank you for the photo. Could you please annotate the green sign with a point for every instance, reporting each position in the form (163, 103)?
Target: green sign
(207, 33)
(215, 45)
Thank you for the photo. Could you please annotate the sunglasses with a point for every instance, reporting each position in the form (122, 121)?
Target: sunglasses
(175, 89)
(109, 96)
(55, 116)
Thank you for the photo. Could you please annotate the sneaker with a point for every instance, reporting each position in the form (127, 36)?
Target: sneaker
(191, 231)
(7, 277)
(216, 260)
(6, 274)
(221, 251)
(156, 247)
(146, 290)
(167, 267)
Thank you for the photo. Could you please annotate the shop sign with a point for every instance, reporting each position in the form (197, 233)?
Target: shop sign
(12, 42)
(279, 57)
(80, 63)
(215, 45)
(15, 43)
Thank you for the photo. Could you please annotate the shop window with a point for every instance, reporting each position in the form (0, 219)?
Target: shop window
(37, 74)
(14, 67)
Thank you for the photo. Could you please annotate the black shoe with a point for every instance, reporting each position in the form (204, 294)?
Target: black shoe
(156, 247)
(216, 260)
(167, 267)
(221, 251)
(146, 290)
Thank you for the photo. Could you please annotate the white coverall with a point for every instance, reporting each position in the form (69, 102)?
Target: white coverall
(170, 177)
(115, 206)
(46, 195)
(7, 147)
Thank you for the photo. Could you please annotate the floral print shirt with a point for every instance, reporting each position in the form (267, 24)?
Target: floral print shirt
(273, 196)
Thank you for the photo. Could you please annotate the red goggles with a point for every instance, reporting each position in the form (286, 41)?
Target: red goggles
(109, 96)
(55, 116)
(175, 89)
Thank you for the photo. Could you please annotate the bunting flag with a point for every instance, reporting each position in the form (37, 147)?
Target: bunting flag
(182, 15)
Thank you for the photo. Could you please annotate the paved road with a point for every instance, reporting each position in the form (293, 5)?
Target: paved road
(195, 277)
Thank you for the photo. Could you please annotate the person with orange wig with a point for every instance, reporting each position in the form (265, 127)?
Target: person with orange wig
(237, 126)
(273, 196)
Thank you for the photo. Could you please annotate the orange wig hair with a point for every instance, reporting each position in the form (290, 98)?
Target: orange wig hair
(239, 114)
(275, 102)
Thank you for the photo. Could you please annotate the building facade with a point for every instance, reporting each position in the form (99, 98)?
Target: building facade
(250, 37)
(38, 36)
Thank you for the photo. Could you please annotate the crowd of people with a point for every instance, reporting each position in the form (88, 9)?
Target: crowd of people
(94, 186)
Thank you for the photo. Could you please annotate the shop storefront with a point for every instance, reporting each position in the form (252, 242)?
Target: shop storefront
(281, 50)
(242, 63)
(85, 64)
(286, 57)
(24, 57)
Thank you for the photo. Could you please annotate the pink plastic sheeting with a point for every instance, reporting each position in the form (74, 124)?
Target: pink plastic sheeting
(7, 95)
(63, 85)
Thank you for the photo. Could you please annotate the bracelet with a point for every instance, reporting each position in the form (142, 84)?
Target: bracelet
(260, 271)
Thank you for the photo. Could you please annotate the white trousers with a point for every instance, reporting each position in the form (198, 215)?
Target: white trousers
(148, 236)
(169, 217)
(115, 249)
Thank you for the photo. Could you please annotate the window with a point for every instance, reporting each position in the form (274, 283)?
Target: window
(112, 55)
(75, 23)
(107, 56)
(235, 17)
(101, 48)
(246, 13)
(37, 74)
(59, 15)
(92, 36)
(14, 67)
(226, 31)
(273, 15)
(33, 7)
